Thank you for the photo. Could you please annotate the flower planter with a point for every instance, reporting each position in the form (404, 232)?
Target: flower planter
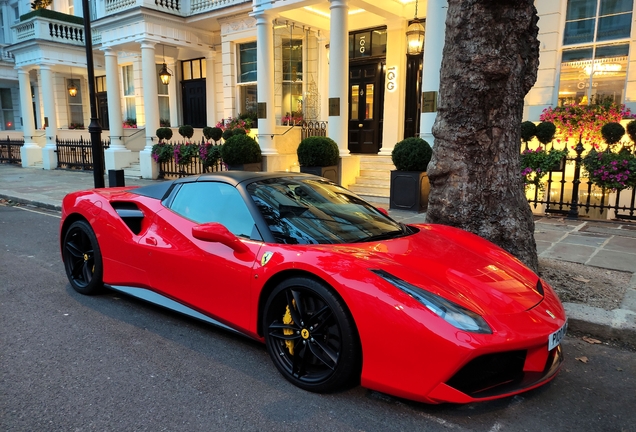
(253, 167)
(559, 166)
(328, 172)
(409, 191)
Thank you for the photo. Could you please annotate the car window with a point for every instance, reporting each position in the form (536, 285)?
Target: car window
(204, 202)
(308, 211)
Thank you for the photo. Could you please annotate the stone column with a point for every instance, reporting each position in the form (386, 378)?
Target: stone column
(394, 96)
(210, 88)
(265, 81)
(49, 156)
(339, 74)
(433, 47)
(30, 152)
(117, 156)
(149, 168)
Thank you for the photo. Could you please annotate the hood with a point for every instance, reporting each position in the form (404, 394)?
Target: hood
(456, 265)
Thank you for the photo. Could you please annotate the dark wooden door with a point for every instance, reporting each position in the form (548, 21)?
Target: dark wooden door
(102, 110)
(194, 111)
(366, 97)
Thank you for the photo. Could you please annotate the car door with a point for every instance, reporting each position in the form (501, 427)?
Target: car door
(208, 276)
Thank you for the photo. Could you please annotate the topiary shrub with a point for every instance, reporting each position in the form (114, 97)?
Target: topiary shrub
(186, 131)
(164, 133)
(631, 130)
(528, 131)
(240, 150)
(545, 132)
(318, 151)
(212, 133)
(612, 132)
(411, 154)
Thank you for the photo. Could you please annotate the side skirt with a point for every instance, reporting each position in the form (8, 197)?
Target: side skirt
(163, 301)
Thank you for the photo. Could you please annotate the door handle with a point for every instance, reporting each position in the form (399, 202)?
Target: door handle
(151, 241)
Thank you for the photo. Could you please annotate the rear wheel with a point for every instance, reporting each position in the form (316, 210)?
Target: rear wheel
(83, 259)
(310, 336)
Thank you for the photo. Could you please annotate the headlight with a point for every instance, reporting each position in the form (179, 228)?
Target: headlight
(450, 312)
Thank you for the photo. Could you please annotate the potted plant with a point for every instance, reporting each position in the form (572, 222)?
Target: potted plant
(250, 118)
(241, 152)
(162, 152)
(130, 123)
(319, 156)
(608, 169)
(210, 154)
(164, 134)
(409, 182)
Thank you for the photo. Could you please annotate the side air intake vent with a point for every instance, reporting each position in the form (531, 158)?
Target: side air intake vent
(130, 214)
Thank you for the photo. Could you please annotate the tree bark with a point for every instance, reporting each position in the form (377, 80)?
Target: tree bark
(490, 62)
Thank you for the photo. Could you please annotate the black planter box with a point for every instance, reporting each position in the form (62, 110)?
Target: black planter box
(409, 191)
(252, 167)
(328, 172)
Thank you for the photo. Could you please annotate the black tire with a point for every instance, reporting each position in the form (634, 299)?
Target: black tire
(319, 349)
(83, 259)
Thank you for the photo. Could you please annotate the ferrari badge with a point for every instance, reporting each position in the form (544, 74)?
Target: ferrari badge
(266, 257)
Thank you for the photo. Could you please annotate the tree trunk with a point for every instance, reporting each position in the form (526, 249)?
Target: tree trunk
(490, 62)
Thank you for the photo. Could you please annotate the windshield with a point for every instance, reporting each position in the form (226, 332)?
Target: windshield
(312, 211)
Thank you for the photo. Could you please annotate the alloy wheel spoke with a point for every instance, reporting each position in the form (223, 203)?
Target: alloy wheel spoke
(87, 272)
(325, 354)
(74, 250)
(320, 318)
(76, 267)
(292, 302)
(300, 359)
(276, 330)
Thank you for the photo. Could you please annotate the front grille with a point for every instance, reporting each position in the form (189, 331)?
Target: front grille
(501, 373)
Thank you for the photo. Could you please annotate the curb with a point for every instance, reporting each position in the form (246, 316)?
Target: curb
(618, 324)
(41, 204)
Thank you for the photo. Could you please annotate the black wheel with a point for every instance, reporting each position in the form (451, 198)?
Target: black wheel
(82, 258)
(310, 336)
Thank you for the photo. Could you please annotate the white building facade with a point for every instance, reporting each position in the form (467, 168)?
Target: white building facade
(343, 62)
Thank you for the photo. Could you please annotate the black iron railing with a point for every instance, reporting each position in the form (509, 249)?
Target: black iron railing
(76, 154)
(171, 169)
(10, 151)
(579, 197)
(313, 128)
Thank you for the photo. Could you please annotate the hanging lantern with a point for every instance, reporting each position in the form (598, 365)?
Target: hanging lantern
(415, 38)
(164, 75)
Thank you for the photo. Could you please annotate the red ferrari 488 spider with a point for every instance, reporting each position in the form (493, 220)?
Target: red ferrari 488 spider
(338, 291)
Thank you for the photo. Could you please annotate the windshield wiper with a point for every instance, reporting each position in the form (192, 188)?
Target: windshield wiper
(384, 236)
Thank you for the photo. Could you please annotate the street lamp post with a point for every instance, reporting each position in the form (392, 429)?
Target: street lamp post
(94, 128)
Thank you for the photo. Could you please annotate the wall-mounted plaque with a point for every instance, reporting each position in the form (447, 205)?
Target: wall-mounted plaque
(429, 101)
(334, 107)
(262, 110)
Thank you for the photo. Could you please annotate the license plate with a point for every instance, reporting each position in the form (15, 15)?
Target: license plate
(555, 338)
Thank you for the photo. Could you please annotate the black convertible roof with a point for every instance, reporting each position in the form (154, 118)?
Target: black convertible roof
(160, 189)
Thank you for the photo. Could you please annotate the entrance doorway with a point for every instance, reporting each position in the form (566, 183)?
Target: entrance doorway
(194, 110)
(366, 101)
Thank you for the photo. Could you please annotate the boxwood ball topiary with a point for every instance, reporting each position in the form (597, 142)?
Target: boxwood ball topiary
(164, 133)
(528, 130)
(612, 132)
(318, 151)
(240, 149)
(631, 130)
(412, 154)
(186, 131)
(545, 132)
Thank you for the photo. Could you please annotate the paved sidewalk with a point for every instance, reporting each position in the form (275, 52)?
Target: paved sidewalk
(607, 245)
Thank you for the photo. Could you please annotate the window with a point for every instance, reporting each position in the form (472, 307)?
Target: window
(129, 92)
(2, 39)
(589, 21)
(7, 109)
(203, 202)
(164, 99)
(367, 43)
(193, 69)
(75, 108)
(292, 79)
(594, 66)
(100, 84)
(247, 77)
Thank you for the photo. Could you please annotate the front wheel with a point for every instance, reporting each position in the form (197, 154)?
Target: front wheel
(82, 258)
(310, 336)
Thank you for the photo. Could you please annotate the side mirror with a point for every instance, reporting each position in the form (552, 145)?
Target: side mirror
(382, 210)
(216, 233)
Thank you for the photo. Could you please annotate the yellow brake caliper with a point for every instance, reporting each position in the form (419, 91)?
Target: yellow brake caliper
(287, 319)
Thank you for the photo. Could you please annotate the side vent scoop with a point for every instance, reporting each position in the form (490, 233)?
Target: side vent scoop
(130, 214)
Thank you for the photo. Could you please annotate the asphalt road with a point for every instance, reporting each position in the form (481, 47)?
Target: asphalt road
(110, 363)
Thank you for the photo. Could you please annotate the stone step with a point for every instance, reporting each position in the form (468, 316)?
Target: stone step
(372, 173)
(377, 165)
(374, 190)
(377, 159)
(373, 181)
(380, 201)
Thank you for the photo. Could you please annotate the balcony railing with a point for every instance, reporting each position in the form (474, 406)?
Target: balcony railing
(175, 7)
(53, 26)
